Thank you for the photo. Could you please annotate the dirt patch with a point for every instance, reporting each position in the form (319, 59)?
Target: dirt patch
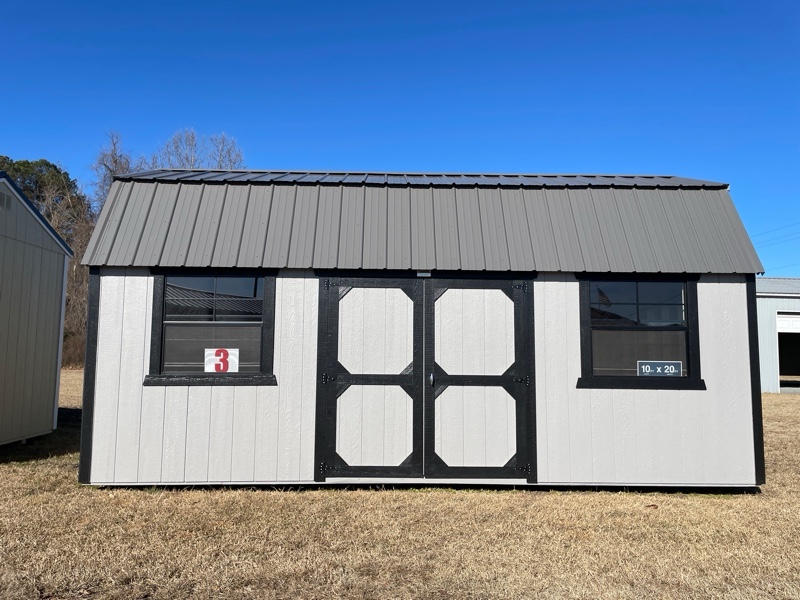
(62, 540)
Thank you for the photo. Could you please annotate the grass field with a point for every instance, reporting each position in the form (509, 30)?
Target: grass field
(62, 540)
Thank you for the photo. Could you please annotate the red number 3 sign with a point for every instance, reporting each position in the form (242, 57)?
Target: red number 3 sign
(222, 365)
(222, 360)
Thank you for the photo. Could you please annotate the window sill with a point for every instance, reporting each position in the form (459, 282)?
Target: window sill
(640, 383)
(203, 379)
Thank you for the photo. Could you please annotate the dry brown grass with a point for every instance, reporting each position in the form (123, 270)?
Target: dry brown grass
(61, 540)
(71, 389)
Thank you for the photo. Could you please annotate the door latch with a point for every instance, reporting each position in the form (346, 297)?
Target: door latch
(431, 379)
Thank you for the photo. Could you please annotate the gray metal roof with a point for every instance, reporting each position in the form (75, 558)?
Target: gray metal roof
(576, 223)
(778, 286)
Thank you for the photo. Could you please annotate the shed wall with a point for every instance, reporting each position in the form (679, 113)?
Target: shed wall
(179, 434)
(175, 435)
(644, 436)
(768, 308)
(32, 268)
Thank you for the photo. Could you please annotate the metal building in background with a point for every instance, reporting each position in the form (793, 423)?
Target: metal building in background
(261, 327)
(779, 333)
(33, 281)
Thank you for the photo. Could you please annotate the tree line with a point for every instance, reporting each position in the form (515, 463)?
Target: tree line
(73, 211)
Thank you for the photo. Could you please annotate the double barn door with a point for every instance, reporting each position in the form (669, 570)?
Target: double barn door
(425, 377)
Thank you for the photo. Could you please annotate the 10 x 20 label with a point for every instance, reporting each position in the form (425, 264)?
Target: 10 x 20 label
(659, 368)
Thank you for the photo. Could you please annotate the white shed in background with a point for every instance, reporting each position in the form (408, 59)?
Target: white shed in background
(33, 289)
(779, 333)
(259, 327)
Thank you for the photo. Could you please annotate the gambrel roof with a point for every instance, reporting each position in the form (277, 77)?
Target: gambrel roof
(277, 219)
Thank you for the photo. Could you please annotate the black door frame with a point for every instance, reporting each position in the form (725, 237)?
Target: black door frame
(333, 379)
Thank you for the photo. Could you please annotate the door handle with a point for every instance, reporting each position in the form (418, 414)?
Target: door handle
(431, 379)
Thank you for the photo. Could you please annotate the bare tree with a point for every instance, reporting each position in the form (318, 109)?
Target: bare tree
(184, 150)
(112, 160)
(188, 150)
(224, 153)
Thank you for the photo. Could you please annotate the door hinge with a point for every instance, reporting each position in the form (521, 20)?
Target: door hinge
(326, 378)
(521, 286)
(526, 380)
(323, 467)
(525, 468)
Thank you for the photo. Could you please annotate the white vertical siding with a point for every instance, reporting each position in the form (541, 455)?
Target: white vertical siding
(173, 451)
(644, 436)
(243, 444)
(107, 375)
(198, 437)
(166, 434)
(151, 440)
(267, 427)
(768, 308)
(264, 434)
(134, 350)
(32, 277)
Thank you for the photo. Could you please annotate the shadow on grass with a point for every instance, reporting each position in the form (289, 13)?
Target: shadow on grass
(64, 440)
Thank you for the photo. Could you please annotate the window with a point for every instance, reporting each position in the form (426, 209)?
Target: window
(212, 330)
(639, 333)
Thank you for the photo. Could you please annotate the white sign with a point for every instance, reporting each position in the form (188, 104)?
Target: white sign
(222, 360)
(659, 368)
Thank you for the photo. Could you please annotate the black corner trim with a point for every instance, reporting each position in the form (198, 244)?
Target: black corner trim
(157, 327)
(89, 372)
(267, 328)
(321, 408)
(755, 381)
(211, 379)
(693, 310)
(640, 383)
(584, 314)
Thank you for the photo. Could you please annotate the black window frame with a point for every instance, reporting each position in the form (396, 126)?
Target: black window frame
(265, 376)
(589, 380)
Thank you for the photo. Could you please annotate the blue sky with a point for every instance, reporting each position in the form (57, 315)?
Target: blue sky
(705, 89)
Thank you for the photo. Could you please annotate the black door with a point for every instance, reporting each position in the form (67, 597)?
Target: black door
(425, 377)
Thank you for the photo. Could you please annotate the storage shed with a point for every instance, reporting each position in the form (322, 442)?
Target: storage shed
(258, 327)
(779, 333)
(33, 289)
